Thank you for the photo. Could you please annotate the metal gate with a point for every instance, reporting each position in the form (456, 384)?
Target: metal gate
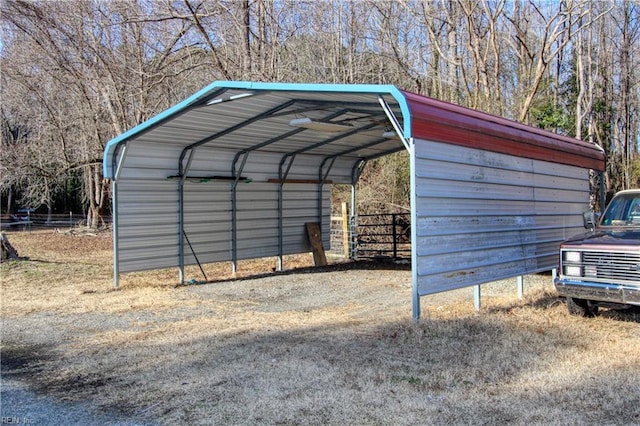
(385, 235)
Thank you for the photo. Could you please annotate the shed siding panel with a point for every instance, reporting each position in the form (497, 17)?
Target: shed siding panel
(148, 230)
(300, 205)
(144, 163)
(147, 223)
(483, 216)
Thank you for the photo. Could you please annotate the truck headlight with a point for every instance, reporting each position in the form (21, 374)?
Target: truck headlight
(572, 271)
(572, 256)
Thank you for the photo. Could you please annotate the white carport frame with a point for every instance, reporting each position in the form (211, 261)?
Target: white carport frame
(490, 198)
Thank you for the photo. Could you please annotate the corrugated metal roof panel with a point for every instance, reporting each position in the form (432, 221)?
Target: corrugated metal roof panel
(194, 120)
(200, 117)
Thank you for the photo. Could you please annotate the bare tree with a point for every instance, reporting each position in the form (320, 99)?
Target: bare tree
(90, 79)
(625, 132)
(537, 49)
(482, 69)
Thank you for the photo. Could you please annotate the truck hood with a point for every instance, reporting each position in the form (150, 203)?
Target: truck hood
(607, 237)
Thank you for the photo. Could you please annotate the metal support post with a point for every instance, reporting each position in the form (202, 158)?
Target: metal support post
(115, 221)
(520, 287)
(323, 175)
(183, 170)
(114, 226)
(282, 176)
(414, 231)
(234, 210)
(181, 231)
(394, 235)
(353, 235)
(355, 176)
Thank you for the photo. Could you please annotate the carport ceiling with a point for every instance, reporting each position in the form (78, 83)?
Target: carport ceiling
(355, 122)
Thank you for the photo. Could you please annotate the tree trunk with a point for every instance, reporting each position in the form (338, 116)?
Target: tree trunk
(10, 200)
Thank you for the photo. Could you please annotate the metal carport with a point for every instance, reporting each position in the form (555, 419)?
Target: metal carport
(234, 172)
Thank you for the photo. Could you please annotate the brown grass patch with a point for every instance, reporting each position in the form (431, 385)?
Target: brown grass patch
(334, 346)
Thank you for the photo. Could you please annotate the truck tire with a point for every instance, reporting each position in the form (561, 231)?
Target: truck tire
(581, 307)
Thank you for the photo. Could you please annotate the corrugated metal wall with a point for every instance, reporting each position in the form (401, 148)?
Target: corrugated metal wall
(208, 219)
(483, 216)
(148, 208)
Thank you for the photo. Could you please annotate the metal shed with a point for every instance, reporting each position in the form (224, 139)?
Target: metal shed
(236, 170)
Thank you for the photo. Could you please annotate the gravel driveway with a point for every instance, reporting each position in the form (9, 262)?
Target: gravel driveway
(22, 406)
(21, 403)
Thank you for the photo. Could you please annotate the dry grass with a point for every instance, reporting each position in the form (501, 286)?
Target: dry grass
(330, 347)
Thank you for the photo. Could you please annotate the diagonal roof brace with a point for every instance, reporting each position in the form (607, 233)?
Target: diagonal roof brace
(181, 168)
(232, 97)
(335, 138)
(277, 139)
(332, 158)
(292, 155)
(394, 121)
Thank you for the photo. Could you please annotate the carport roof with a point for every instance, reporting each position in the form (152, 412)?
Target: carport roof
(247, 116)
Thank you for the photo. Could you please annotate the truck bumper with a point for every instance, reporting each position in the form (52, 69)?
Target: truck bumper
(611, 293)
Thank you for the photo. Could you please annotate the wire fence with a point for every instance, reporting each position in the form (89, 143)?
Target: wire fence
(386, 235)
(337, 239)
(28, 221)
(373, 236)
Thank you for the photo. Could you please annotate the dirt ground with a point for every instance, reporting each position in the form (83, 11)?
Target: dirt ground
(311, 346)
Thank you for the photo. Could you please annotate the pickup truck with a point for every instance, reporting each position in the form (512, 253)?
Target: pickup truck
(601, 268)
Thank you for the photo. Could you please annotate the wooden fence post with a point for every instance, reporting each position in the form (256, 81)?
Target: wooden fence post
(346, 238)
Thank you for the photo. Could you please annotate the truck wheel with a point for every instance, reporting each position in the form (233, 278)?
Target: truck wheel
(581, 307)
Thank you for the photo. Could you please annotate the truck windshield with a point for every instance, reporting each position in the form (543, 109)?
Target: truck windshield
(624, 210)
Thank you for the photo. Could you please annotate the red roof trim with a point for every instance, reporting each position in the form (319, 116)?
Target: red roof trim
(444, 122)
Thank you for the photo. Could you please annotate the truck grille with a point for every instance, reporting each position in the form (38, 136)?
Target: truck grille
(613, 266)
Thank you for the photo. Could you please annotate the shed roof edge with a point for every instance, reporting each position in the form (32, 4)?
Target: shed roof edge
(111, 147)
(493, 131)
